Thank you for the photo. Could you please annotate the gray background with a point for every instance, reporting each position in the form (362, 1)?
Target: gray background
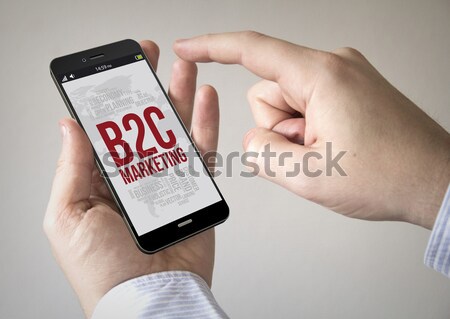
(278, 256)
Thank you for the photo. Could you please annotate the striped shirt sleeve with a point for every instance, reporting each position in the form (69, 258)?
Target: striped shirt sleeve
(437, 255)
(171, 294)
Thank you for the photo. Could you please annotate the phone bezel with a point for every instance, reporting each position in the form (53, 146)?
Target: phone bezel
(168, 234)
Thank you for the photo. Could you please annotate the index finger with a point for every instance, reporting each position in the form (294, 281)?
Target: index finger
(267, 57)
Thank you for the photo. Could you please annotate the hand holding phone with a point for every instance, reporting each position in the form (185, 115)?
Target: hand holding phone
(150, 164)
(88, 236)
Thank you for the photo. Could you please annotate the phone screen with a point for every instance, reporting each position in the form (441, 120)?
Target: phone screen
(140, 142)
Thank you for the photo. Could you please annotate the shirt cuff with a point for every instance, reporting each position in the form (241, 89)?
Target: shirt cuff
(171, 294)
(437, 255)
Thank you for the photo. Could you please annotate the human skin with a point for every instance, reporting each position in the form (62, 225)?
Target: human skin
(397, 157)
(88, 236)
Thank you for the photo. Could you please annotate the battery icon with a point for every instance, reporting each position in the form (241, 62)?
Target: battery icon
(138, 57)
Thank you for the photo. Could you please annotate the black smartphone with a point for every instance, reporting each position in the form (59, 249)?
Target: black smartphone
(155, 173)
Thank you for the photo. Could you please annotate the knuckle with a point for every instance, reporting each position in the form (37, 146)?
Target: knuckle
(252, 93)
(348, 52)
(246, 37)
(177, 66)
(208, 37)
(251, 35)
(261, 139)
(334, 65)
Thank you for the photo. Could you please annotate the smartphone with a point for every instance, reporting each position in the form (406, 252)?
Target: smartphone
(150, 164)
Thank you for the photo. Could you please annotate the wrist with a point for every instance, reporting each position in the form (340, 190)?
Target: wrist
(429, 192)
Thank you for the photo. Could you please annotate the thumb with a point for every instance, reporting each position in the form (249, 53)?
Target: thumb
(72, 182)
(281, 161)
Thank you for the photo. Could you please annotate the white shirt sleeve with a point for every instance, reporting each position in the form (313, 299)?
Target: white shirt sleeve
(171, 294)
(437, 255)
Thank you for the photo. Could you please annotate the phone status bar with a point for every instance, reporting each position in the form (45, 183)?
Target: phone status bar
(100, 67)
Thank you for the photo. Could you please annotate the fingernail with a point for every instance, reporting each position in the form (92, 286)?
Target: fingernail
(247, 138)
(63, 129)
